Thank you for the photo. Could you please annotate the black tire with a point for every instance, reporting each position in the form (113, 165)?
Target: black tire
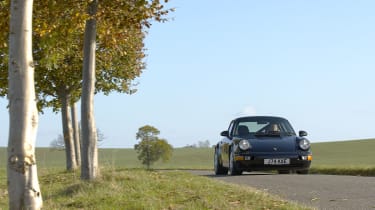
(233, 171)
(218, 167)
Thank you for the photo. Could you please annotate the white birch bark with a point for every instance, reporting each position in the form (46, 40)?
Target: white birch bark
(23, 185)
(76, 137)
(89, 156)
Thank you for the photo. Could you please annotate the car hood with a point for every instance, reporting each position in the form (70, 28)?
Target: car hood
(273, 144)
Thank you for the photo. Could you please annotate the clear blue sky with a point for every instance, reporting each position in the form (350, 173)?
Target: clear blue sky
(312, 62)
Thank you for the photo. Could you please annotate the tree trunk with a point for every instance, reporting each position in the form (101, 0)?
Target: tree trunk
(76, 137)
(89, 167)
(23, 185)
(71, 163)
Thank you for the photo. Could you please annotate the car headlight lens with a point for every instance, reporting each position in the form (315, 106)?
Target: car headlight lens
(304, 144)
(244, 144)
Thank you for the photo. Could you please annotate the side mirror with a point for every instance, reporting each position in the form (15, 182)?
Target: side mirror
(302, 133)
(224, 133)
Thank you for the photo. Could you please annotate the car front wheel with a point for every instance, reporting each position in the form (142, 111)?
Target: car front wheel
(219, 169)
(232, 166)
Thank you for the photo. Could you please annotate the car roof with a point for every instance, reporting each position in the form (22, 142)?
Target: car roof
(246, 117)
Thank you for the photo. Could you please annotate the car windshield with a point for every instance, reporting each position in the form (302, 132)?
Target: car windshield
(262, 126)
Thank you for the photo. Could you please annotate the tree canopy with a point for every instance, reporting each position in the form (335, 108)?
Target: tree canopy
(58, 29)
(58, 42)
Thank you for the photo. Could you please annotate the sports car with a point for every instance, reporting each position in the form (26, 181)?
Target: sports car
(260, 143)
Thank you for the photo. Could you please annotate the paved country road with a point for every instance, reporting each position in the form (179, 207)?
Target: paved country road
(317, 191)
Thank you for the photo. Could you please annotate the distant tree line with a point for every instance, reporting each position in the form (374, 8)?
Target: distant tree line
(200, 144)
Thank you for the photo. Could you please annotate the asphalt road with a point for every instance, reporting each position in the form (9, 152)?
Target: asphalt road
(317, 191)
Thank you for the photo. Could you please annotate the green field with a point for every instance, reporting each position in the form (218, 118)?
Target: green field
(183, 158)
(344, 154)
(344, 158)
(123, 184)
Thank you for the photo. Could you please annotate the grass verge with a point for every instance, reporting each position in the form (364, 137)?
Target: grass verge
(141, 189)
(351, 171)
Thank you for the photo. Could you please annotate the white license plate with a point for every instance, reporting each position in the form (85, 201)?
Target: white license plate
(277, 161)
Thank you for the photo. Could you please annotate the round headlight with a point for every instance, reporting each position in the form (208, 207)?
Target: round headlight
(304, 144)
(244, 144)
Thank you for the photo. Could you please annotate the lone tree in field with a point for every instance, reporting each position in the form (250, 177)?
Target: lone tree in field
(150, 148)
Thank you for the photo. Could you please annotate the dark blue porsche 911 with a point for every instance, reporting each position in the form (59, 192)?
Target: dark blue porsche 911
(259, 143)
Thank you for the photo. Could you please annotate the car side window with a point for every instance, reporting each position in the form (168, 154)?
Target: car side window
(230, 129)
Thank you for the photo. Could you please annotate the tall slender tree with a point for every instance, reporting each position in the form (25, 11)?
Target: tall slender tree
(23, 185)
(71, 162)
(144, 11)
(89, 167)
(76, 135)
(54, 60)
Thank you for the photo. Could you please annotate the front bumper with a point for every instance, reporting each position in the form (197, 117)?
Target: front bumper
(257, 163)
